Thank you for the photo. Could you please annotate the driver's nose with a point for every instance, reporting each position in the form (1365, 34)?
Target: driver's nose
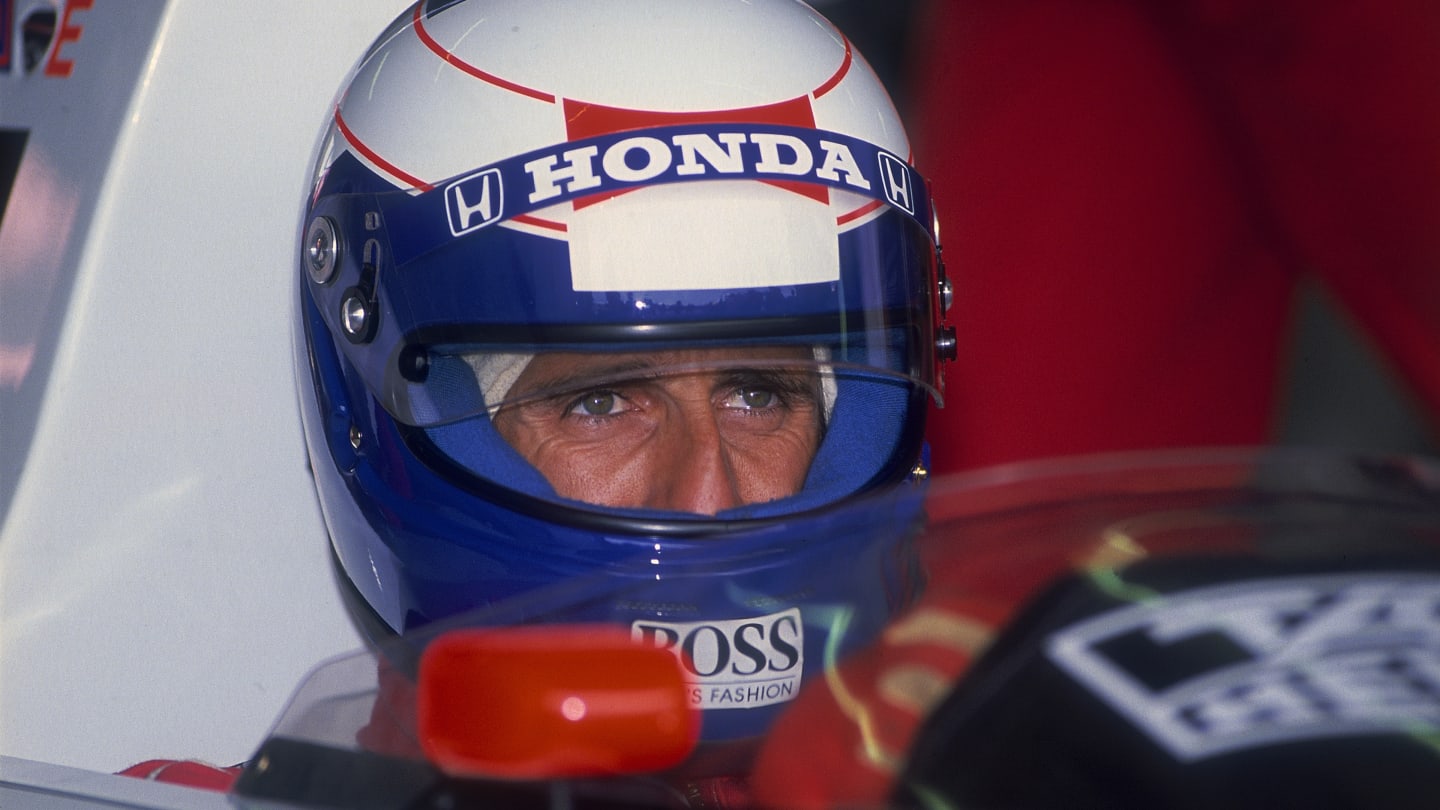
(697, 476)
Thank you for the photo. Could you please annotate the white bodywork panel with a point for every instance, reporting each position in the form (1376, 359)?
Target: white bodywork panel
(165, 578)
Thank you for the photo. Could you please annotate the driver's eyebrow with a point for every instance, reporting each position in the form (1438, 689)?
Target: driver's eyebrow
(787, 382)
(790, 377)
(586, 375)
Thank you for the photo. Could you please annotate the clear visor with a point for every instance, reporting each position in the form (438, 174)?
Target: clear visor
(700, 430)
(595, 384)
(459, 383)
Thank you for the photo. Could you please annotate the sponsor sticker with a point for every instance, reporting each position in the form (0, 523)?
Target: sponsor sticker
(898, 181)
(474, 201)
(738, 663)
(583, 172)
(1220, 669)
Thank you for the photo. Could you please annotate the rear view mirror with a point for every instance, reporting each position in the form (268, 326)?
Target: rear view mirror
(552, 702)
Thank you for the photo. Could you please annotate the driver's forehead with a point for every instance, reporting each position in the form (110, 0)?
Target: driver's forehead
(550, 367)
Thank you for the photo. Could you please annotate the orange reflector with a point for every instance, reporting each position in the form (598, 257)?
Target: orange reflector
(552, 702)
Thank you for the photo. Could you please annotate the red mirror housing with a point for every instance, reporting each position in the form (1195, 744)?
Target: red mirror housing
(552, 702)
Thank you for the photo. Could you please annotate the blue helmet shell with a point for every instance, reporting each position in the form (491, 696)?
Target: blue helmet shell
(433, 516)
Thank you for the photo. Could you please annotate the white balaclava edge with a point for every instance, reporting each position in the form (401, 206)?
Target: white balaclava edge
(496, 374)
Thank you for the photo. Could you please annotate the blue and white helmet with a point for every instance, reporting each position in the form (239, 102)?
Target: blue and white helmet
(504, 179)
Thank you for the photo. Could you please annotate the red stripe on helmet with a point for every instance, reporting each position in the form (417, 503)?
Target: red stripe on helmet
(858, 212)
(585, 120)
(832, 82)
(537, 222)
(445, 54)
(374, 157)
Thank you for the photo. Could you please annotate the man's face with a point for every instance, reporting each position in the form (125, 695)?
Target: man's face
(700, 441)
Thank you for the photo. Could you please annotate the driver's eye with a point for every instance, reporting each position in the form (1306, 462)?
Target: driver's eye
(757, 397)
(597, 403)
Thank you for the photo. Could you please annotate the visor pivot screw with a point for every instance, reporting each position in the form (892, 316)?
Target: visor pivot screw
(322, 250)
(946, 344)
(354, 316)
(920, 472)
(414, 364)
(360, 308)
(355, 437)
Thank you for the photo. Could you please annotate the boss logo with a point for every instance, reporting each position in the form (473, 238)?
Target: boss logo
(740, 663)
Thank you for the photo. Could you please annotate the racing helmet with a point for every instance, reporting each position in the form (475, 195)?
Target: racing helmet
(645, 190)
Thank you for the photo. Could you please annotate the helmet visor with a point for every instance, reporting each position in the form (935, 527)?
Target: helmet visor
(705, 429)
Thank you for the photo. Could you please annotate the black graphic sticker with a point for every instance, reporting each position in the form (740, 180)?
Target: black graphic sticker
(1219, 669)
